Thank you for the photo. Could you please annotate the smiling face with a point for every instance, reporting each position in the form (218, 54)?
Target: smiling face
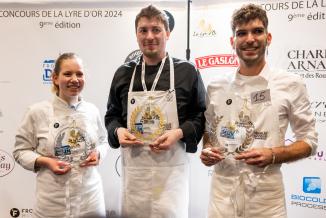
(250, 41)
(69, 80)
(152, 37)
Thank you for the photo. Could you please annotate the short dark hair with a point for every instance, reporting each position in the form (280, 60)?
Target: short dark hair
(152, 12)
(247, 13)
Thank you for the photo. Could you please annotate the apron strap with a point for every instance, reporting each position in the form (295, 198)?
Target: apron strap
(132, 79)
(246, 184)
(171, 73)
(158, 74)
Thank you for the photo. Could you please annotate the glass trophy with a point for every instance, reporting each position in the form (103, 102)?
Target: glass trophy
(212, 131)
(73, 145)
(231, 137)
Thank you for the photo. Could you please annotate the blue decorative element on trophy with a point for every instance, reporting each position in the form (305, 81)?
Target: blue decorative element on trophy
(232, 137)
(73, 145)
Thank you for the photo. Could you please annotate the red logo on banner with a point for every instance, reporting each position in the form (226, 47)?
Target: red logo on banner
(221, 60)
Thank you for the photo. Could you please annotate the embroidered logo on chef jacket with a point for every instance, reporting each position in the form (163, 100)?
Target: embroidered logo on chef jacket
(73, 145)
(56, 125)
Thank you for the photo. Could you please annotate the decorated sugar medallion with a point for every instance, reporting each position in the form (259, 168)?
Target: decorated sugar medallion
(72, 144)
(147, 122)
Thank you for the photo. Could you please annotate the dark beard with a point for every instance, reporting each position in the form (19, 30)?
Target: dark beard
(253, 62)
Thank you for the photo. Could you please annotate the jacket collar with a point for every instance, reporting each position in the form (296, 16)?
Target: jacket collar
(59, 101)
(264, 75)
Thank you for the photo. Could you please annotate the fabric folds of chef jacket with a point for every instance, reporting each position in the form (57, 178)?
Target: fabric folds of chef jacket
(69, 133)
(245, 112)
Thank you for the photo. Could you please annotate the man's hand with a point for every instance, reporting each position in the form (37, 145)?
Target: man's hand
(166, 141)
(126, 138)
(260, 157)
(210, 155)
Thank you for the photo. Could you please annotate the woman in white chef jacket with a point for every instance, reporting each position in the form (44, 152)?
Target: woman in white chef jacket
(63, 140)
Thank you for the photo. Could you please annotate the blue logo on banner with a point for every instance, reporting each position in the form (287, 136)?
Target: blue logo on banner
(311, 185)
(48, 66)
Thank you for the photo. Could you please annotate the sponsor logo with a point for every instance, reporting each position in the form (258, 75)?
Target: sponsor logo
(220, 60)
(319, 110)
(133, 55)
(7, 163)
(25, 212)
(308, 202)
(309, 64)
(14, 212)
(311, 185)
(319, 156)
(48, 66)
(204, 29)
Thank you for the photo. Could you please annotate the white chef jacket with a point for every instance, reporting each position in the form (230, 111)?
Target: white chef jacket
(240, 190)
(77, 193)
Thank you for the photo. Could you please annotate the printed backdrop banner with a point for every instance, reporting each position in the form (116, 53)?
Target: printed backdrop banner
(33, 34)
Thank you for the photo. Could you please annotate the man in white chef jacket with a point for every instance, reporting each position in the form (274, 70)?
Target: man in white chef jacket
(247, 116)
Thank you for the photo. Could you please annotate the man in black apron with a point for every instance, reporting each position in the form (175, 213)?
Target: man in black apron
(247, 117)
(155, 113)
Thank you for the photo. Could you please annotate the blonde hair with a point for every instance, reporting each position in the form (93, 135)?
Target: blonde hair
(57, 68)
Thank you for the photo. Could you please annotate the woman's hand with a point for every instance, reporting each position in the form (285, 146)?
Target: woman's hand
(56, 166)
